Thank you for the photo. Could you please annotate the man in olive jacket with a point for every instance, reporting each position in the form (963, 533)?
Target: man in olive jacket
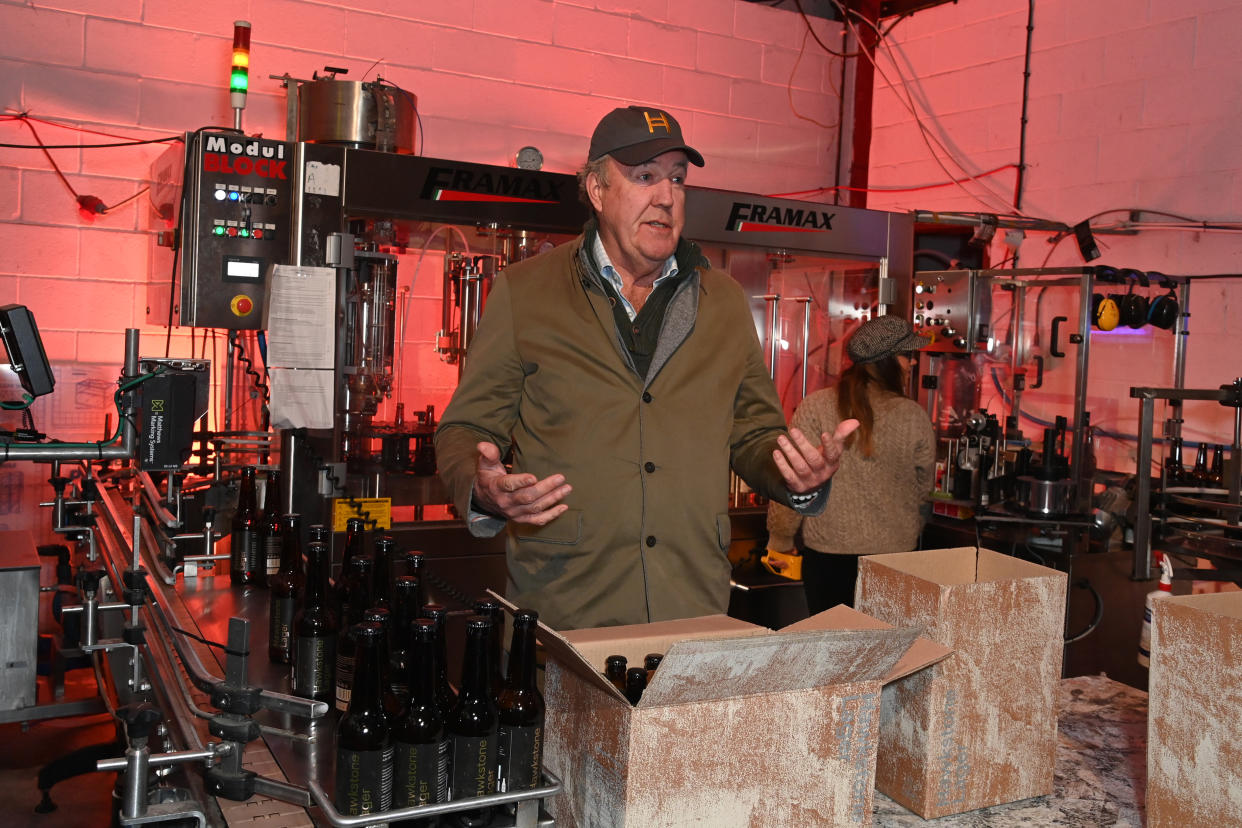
(626, 376)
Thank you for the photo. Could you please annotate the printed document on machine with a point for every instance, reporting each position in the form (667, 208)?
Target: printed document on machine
(300, 311)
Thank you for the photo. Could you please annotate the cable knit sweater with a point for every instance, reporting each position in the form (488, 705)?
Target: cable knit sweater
(877, 503)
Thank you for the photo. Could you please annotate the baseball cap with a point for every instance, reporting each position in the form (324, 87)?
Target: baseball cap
(883, 337)
(635, 134)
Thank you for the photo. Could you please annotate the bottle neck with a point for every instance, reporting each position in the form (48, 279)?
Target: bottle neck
(316, 573)
(522, 657)
(423, 669)
(290, 549)
(476, 666)
(365, 694)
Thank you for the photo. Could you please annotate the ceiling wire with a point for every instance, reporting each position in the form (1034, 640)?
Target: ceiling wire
(909, 104)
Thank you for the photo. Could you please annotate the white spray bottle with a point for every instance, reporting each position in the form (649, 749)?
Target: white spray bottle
(1165, 587)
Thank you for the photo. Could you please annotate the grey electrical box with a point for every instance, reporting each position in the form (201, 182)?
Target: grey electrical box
(19, 623)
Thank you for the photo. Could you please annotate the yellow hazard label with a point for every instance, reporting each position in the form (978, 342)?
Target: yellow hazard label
(378, 509)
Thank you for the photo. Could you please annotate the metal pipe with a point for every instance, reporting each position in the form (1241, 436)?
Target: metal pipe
(123, 450)
(134, 794)
(806, 336)
(774, 301)
(158, 760)
(1084, 486)
(1142, 497)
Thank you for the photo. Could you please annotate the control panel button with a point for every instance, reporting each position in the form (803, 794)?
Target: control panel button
(241, 305)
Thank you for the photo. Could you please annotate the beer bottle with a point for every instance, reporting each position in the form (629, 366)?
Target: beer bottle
(635, 684)
(651, 663)
(314, 630)
(1216, 476)
(354, 537)
(520, 712)
(404, 613)
(358, 582)
(270, 532)
(444, 690)
(1174, 471)
(471, 726)
(319, 532)
(1199, 475)
(385, 554)
(421, 776)
(244, 564)
(381, 616)
(491, 609)
(614, 671)
(364, 751)
(285, 584)
(416, 565)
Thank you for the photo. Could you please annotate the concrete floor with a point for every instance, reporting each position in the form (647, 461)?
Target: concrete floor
(81, 802)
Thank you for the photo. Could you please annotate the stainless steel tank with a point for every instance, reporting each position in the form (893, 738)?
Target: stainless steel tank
(360, 114)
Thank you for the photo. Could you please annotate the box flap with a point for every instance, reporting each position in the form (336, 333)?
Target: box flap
(922, 653)
(722, 668)
(962, 565)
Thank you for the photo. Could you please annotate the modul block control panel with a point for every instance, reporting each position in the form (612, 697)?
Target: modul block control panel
(234, 227)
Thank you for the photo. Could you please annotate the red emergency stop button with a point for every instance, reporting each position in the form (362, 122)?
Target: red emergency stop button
(241, 305)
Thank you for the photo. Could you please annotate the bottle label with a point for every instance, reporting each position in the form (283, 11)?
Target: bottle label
(363, 781)
(344, 678)
(420, 774)
(520, 757)
(279, 624)
(244, 552)
(271, 551)
(473, 766)
(313, 659)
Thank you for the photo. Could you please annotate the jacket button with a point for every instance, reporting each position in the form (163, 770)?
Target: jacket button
(651, 541)
(647, 396)
(650, 467)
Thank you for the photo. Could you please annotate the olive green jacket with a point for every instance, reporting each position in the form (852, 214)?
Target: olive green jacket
(646, 535)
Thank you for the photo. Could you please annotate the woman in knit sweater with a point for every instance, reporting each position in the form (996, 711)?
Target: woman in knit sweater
(877, 501)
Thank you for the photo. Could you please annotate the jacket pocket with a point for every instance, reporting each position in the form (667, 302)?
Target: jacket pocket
(724, 531)
(566, 530)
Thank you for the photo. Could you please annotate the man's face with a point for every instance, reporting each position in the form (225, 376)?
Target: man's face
(641, 212)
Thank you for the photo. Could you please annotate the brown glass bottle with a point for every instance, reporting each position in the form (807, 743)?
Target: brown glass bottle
(270, 534)
(445, 691)
(471, 727)
(284, 585)
(364, 749)
(652, 663)
(490, 608)
(635, 684)
(1216, 473)
(404, 613)
(520, 712)
(421, 764)
(1199, 474)
(355, 530)
(1174, 471)
(245, 566)
(385, 560)
(614, 671)
(315, 630)
(381, 616)
(358, 580)
(416, 565)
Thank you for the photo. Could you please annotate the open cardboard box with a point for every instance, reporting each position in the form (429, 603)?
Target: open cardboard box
(980, 727)
(1194, 755)
(739, 726)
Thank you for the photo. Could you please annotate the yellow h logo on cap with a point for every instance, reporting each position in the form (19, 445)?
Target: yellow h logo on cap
(660, 119)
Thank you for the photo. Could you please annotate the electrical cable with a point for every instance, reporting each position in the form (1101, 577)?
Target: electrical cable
(910, 189)
(908, 103)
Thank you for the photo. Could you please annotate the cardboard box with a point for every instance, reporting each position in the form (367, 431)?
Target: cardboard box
(1194, 753)
(740, 726)
(980, 727)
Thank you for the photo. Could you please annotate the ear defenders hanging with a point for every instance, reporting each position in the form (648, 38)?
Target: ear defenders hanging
(1104, 312)
(1163, 310)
